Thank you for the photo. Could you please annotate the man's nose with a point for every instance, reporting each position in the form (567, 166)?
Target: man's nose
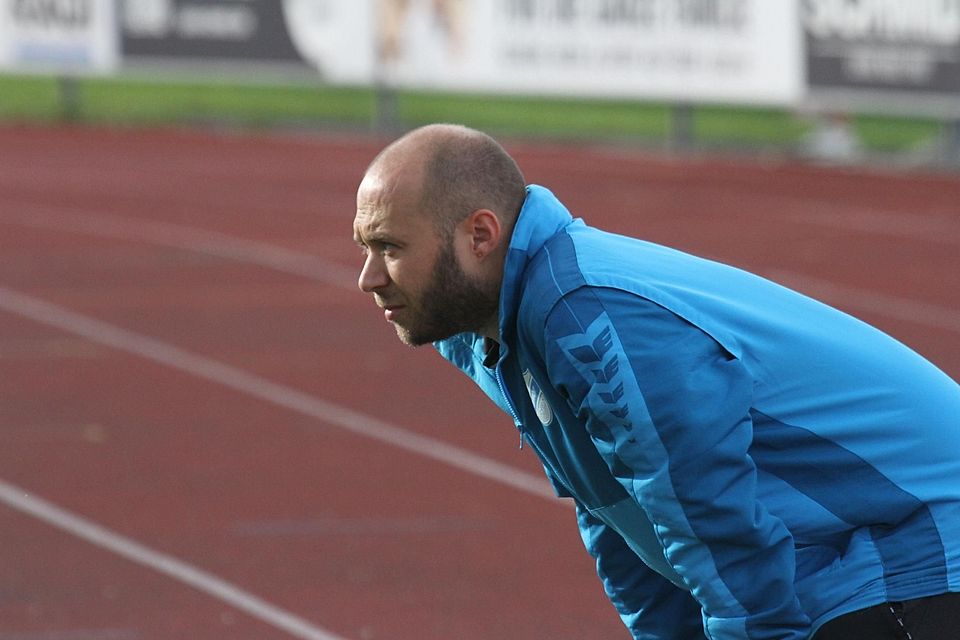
(373, 275)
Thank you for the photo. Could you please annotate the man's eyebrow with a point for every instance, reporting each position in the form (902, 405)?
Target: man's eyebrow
(375, 236)
(375, 240)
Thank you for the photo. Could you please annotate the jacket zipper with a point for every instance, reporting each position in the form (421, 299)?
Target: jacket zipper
(506, 396)
(516, 420)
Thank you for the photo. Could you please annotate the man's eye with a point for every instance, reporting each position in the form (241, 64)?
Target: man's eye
(378, 247)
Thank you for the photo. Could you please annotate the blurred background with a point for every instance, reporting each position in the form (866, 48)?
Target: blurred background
(826, 80)
(207, 431)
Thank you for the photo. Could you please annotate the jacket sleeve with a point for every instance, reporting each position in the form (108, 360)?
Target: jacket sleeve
(651, 606)
(668, 409)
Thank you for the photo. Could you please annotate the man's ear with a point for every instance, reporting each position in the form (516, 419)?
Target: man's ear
(485, 232)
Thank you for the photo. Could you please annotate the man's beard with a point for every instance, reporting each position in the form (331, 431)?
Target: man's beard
(452, 303)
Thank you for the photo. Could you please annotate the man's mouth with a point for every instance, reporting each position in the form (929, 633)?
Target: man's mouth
(390, 312)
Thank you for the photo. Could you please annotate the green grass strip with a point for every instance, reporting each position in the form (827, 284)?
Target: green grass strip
(133, 101)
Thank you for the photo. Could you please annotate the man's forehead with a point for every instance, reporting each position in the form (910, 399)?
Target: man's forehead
(380, 216)
(373, 183)
(394, 190)
(386, 184)
(369, 221)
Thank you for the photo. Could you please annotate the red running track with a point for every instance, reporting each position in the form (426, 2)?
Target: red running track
(206, 431)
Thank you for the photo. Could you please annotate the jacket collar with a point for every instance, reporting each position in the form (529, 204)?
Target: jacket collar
(540, 218)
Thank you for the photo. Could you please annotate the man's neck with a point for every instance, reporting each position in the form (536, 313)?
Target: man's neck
(491, 329)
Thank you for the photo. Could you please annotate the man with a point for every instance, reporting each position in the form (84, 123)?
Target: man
(746, 462)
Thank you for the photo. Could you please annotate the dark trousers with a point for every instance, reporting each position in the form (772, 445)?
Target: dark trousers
(933, 618)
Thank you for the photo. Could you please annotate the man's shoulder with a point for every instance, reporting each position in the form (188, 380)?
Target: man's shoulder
(558, 277)
(582, 256)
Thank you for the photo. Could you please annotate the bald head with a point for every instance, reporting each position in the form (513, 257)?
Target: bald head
(453, 170)
(435, 213)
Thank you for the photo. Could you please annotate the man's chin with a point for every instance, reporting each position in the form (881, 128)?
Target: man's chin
(410, 338)
(418, 339)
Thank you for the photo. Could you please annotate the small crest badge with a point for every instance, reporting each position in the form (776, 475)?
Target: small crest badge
(539, 400)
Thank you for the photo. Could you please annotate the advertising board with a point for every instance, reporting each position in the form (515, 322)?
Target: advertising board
(694, 50)
(62, 36)
(885, 51)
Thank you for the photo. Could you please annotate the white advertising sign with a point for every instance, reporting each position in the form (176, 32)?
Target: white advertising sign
(713, 50)
(58, 35)
(335, 36)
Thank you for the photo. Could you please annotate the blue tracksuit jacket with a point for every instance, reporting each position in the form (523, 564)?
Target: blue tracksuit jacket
(746, 462)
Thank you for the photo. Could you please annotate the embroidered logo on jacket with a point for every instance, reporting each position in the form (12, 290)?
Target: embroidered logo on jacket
(540, 404)
(596, 356)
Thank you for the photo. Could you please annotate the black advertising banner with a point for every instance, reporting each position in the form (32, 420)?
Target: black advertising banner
(208, 30)
(905, 46)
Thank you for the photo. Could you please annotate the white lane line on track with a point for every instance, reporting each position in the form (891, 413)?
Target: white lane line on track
(82, 221)
(277, 394)
(257, 387)
(19, 499)
(69, 220)
(284, 260)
